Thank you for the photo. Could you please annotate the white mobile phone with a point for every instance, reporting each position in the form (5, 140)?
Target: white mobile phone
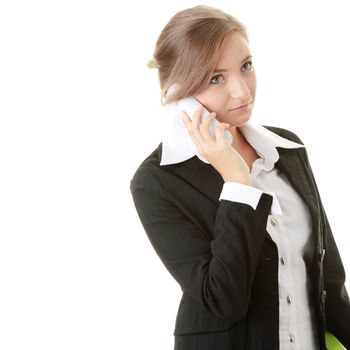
(190, 105)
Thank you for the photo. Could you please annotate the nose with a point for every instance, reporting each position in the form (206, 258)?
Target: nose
(238, 89)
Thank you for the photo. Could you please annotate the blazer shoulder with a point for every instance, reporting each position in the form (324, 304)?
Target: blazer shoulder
(148, 168)
(286, 133)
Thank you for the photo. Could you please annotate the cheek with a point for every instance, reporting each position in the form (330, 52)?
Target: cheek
(212, 101)
(206, 100)
(252, 82)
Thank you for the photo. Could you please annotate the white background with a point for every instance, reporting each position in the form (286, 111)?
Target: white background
(79, 110)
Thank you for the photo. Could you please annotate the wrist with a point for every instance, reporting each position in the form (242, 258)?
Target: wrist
(246, 180)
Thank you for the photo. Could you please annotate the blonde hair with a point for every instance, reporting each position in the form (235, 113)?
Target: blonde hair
(188, 49)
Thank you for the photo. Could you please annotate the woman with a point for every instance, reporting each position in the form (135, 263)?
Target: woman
(240, 226)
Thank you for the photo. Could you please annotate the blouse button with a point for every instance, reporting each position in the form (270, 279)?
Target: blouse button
(273, 222)
(291, 337)
(283, 261)
(289, 299)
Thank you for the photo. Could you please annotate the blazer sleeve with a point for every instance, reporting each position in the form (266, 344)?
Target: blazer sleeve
(217, 273)
(337, 298)
(337, 303)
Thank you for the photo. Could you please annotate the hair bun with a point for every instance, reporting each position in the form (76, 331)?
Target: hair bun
(151, 64)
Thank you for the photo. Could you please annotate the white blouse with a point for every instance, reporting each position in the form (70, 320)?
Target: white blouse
(289, 224)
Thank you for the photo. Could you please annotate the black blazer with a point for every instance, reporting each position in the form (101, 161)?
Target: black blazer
(224, 259)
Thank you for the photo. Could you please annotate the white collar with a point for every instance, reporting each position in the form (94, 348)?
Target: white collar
(178, 146)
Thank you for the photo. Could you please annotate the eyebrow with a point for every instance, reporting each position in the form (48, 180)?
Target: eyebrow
(224, 70)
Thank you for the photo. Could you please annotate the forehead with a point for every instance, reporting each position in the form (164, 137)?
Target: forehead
(234, 48)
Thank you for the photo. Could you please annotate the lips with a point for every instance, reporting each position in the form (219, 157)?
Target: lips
(241, 106)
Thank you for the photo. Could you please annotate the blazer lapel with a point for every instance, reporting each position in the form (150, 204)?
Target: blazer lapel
(200, 175)
(291, 164)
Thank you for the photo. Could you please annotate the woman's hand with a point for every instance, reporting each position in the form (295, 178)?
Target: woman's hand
(217, 150)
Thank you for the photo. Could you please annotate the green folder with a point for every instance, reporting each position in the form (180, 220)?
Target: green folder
(332, 343)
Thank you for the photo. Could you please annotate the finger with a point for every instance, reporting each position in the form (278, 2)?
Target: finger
(197, 117)
(204, 129)
(220, 132)
(188, 123)
(185, 118)
(192, 125)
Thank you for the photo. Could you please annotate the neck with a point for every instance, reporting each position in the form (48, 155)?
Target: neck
(238, 139)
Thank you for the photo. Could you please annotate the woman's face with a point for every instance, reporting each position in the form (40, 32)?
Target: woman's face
(234, 85)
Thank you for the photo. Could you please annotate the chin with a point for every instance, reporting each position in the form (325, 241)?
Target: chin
(238, 120)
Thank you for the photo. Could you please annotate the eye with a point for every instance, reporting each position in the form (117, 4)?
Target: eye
(215, 77)
(214, 80)
(249, 62)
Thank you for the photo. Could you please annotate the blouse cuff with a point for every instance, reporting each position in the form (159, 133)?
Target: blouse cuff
(238, 192)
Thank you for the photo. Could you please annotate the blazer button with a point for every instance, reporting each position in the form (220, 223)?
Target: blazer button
(322, 253)
(323, 296)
